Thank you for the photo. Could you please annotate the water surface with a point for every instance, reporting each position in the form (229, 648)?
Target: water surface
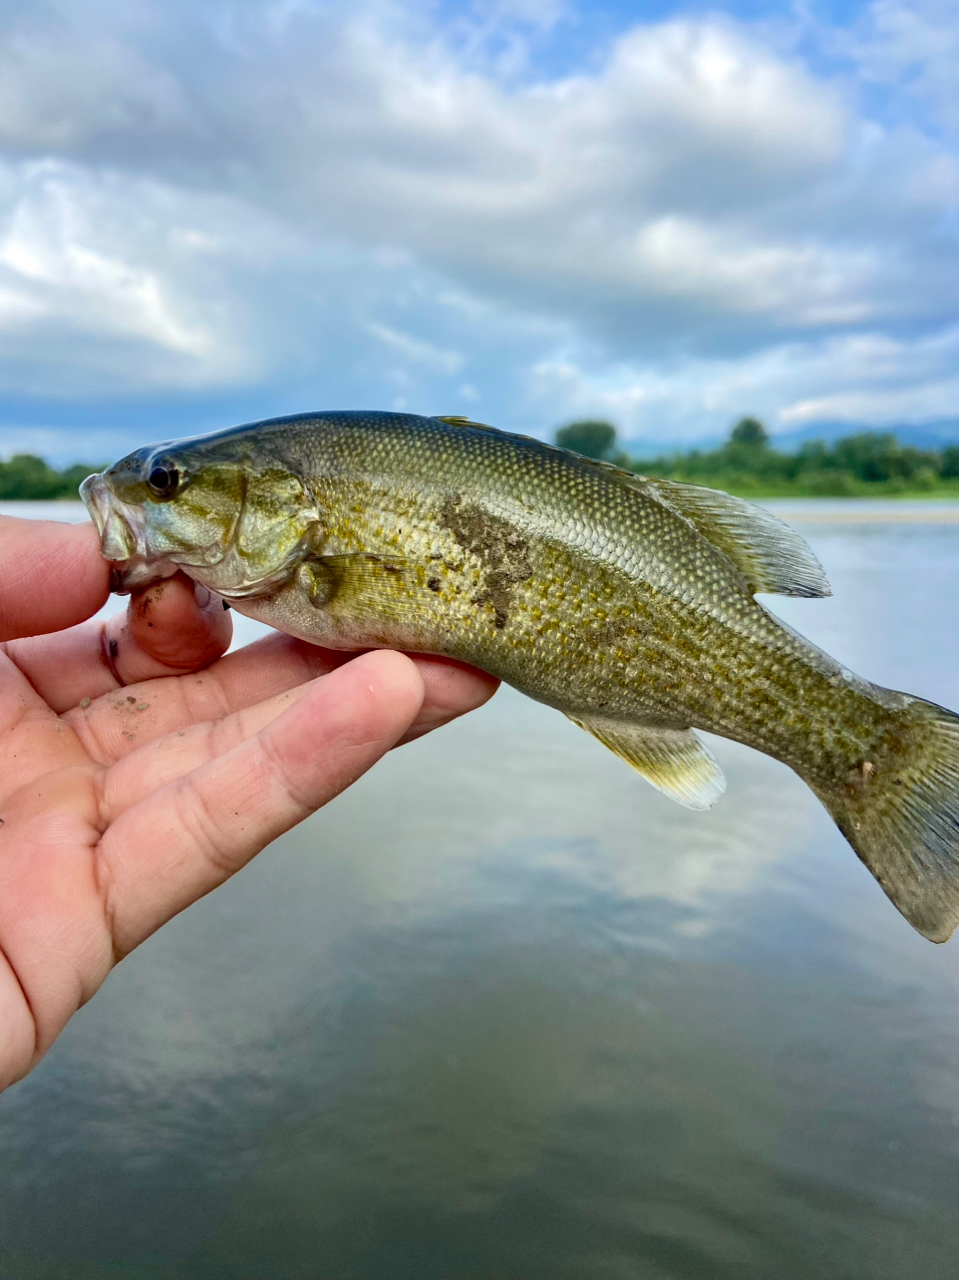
(503, 1012)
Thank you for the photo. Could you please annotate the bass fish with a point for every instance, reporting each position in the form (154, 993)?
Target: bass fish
(625, 601)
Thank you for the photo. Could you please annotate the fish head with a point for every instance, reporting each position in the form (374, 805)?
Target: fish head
(211, 507)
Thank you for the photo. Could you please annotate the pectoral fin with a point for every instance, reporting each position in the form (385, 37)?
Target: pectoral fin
(673, 760)
(325, 577)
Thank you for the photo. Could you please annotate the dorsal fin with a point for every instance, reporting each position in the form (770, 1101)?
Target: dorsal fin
(458, 420)
(771, 556)
(768, 553)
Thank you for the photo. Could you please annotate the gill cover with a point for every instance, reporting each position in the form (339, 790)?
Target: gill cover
(278, 526)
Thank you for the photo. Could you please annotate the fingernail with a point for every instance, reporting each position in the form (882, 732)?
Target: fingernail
(203, 595)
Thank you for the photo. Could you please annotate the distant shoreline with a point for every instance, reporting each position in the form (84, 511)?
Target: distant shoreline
(879, 492)
(925, 509)
(828, 514)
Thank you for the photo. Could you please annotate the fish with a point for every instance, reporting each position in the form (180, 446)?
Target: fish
(625, 601)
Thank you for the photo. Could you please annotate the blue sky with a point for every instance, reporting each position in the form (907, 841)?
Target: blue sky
(522, 210)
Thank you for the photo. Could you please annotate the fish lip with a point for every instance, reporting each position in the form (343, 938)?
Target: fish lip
(91, 493)
(122, 530)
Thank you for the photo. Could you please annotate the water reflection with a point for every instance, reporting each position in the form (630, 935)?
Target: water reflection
(504, 1011)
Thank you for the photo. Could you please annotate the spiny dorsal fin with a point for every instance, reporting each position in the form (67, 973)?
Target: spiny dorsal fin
(458, 420)
(771, 556)
(673, 760)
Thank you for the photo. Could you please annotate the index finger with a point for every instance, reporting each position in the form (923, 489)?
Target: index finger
(51, 576)
(166, 630)
(183, 840)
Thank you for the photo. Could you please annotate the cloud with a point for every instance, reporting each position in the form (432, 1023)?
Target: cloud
(384, 203)
(57, 266)
(126, 279)
(416, 350)
(912, 48)
(860, 378)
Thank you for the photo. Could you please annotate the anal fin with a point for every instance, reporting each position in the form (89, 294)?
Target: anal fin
(674, 760)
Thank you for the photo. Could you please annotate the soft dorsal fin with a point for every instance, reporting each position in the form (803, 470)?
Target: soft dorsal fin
(771, 556)
(674, 760)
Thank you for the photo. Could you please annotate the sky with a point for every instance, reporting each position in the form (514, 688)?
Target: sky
(525, 211)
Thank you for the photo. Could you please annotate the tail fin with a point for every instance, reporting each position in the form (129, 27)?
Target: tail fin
(899, 809)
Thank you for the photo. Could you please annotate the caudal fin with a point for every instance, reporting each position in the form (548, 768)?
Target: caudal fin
(899, 809)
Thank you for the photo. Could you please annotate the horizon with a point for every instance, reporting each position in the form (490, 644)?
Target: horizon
(921, 439)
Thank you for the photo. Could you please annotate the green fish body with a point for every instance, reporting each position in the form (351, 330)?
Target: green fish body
(624, 601)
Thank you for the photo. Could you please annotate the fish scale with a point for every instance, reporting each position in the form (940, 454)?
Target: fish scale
(627, 602)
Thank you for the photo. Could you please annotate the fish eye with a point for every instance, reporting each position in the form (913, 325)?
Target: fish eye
(163, 480)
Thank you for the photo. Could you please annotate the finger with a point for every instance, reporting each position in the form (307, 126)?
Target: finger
(170, 627)
(449, 691)
(51, 576)
(452, 689)
(165, 630)
(279, 662)
(116, 725)
(182, 841)
(35, 741)
(155, 765)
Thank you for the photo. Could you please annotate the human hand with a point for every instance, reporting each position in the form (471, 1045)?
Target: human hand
(139, 768)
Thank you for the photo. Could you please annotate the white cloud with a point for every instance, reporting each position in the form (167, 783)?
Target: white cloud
(126, 280)
(416, 350)
(811, 284)
(903, 405)
(696, 225)
(866, 377)
(53, 247)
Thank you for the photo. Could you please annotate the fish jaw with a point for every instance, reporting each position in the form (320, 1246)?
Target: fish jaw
(123, 542)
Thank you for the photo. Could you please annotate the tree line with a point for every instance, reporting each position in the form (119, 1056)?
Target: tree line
(868, 462)
(25, 476)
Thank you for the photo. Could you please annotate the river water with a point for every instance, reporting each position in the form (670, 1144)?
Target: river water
(502, 1012)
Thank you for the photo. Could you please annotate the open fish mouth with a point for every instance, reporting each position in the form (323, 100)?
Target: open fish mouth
(123, 540)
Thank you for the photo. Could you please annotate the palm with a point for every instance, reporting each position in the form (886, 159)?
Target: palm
(122, 805)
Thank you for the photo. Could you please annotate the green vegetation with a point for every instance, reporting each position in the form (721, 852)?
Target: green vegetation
(868, 464)
(28, 477)
(591, 439)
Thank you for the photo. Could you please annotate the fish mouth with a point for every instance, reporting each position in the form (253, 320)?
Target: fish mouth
(123, 537)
